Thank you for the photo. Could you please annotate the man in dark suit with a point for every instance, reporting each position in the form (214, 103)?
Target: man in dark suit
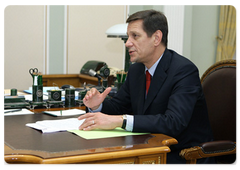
(174, 103)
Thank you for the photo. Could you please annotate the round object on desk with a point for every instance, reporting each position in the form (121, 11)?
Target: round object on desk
(69, 97)
(37, 93)
(54, 95)
(13, 92)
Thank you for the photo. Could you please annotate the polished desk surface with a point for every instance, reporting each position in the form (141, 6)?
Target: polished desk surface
(27, 145)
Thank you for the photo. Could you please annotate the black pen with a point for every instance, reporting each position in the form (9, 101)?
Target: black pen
(11, 111)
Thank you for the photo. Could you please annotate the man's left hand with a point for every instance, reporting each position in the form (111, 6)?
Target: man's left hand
(99, 120)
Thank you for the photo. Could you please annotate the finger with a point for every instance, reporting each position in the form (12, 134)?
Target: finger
(106, 92)
(86, 97)
(90, 93)
(87, 123)
(93, 91)
(85, 116)
(92, 127)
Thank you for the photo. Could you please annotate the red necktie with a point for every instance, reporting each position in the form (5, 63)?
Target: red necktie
(148, 81)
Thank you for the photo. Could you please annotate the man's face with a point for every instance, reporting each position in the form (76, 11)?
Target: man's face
(140, 46)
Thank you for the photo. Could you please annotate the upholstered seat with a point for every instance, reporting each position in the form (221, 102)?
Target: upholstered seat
(219, 87)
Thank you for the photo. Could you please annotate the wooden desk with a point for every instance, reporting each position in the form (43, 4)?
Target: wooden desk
(27, 145)
(75, 80)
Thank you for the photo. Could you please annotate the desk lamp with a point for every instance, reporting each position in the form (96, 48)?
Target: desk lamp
(120, 31)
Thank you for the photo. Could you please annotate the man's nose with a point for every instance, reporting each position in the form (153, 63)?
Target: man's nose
(128, 43)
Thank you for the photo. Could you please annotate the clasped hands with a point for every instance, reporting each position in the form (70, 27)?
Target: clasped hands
(98, 120)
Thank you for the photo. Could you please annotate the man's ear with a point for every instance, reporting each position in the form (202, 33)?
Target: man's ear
(157, 37)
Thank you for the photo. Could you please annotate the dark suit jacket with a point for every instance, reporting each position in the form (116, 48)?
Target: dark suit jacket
(175, 104)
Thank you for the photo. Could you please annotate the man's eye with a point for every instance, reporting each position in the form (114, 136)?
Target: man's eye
(135, 35)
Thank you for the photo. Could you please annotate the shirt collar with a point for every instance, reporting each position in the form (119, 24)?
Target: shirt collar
(154, 66)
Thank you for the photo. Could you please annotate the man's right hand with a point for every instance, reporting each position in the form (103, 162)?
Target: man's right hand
(94, 98)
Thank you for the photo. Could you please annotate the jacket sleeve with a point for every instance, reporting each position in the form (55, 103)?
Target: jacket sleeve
(121, 103)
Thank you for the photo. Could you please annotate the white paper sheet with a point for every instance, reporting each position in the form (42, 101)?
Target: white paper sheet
(49, 126)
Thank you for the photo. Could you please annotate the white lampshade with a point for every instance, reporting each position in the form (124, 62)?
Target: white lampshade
(119, 30)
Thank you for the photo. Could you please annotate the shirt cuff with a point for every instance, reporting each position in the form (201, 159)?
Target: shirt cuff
(97, 110)
(129, 125)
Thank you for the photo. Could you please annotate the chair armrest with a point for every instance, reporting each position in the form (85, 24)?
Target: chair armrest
(208, 149)
(218, 147)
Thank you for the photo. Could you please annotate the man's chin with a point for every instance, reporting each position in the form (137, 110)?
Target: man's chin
(133, 59)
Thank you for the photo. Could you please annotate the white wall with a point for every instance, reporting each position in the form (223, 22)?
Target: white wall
(87, 39)
(26, 40)
(23, 44)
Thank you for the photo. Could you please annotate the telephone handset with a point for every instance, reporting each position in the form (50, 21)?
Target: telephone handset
(92, 64)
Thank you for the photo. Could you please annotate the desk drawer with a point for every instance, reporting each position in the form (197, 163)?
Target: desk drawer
(149, 159)
(116, 161)
(152, 159)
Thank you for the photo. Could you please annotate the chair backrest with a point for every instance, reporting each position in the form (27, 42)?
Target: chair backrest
(219, 87)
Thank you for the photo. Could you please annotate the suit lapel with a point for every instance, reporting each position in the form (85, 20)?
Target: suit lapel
(142, 80)
(158, 79)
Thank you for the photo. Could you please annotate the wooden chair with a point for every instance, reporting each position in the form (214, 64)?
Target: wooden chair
(219, 87)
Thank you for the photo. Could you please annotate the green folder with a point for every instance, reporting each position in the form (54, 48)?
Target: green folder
(99, 133)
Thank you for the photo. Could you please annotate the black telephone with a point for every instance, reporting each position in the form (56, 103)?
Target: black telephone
(66, 86)
(92, 64)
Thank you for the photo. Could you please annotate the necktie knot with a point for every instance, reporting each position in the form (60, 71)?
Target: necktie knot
(148, 81)
(148, 76)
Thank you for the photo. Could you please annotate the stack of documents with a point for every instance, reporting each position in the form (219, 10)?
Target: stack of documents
(72, 125)
(49, 126)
